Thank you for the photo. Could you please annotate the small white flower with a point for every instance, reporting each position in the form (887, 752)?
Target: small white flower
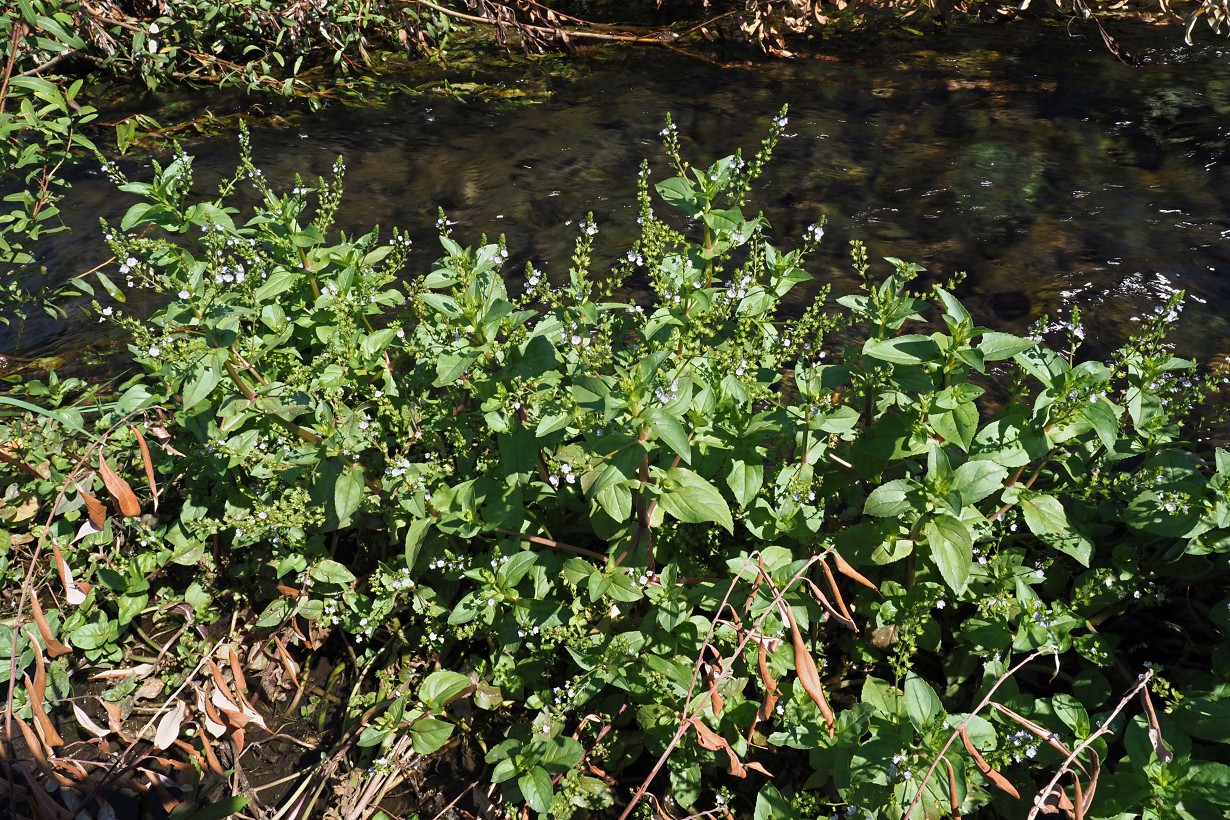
(154, 351)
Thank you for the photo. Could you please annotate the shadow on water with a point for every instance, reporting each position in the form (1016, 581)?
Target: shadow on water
(1051, 173)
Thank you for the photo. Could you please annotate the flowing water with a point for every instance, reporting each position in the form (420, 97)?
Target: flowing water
(1051, 173)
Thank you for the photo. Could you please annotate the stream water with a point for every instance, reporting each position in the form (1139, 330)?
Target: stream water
(1026, 156)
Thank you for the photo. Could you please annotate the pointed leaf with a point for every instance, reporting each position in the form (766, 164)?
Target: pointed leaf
(952, 547)
(120, 490)
(688, 497)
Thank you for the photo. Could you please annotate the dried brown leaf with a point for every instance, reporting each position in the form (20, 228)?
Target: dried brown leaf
(1163, 752)
(120, 490)
(149, 464)
(210, 757)
(998, 780)
(170, 725)
(714, 742)
(54, 648)
(841, 602)
(1056, 802)
(809, 676)
(74, 592)
(97, 511)
(843, 566)
(37, 689)
(953, 802)
(87, 723)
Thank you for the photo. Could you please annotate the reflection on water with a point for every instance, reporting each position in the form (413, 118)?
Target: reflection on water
(1051, 173)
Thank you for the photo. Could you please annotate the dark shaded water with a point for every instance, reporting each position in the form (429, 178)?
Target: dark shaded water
(1050, 172)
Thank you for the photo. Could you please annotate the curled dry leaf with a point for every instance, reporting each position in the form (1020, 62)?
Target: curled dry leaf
(170, 724)
(54, 648)
(1163, 752)
(998, 780)
(809, 676)
(120, 490)
(210, 758)
(843, 566)
(141, 670)
(149, 464)
(87, 723)
(97, 512)
(1055, 802)
(841, 602)
(46, 729)
(714, 742)
(211, 719)
(953, 802)
(74, 592)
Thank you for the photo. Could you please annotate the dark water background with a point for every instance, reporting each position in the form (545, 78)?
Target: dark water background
(1031, 159)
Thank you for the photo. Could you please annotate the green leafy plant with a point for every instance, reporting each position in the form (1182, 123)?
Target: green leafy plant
(654, 540)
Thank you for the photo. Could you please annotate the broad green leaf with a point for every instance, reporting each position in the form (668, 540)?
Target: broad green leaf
(996, 346)
(348, 494)
(957, 426)
(279, 282)
(921, 702)
(911, 348)
(552, 422)
(770, 805)
(415, 534)
(891, 499)
(681, 193)
(429, 734)
(442, 686)
(450, 366)
(535, 786)
(975, 480)
(688, 497)
(207, 377)
(670, 430)
(329, 571)
(375, 343)
(745, 480)
(1046, 519)
(561, 754)
(952, 547)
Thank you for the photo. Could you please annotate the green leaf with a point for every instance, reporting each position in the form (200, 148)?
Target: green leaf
(416, 533)
(220, 810)
(561, 754)
(724, 221)
(450, 366)
(670, 430)
(279, 282)
(429, 734)
(996, 346)
(681, 193)
(952, 547)
(912, 348)
(745, 480)
(441, 687)
(891, 499)
(770, 805)
(921, 702)
(1046, 519)
(207, 377)
(552, 422)
(375, 343)
(348, 494)
(329, 571)
(688, 497)
(957, 426)
(975, 480)
(535, 786)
